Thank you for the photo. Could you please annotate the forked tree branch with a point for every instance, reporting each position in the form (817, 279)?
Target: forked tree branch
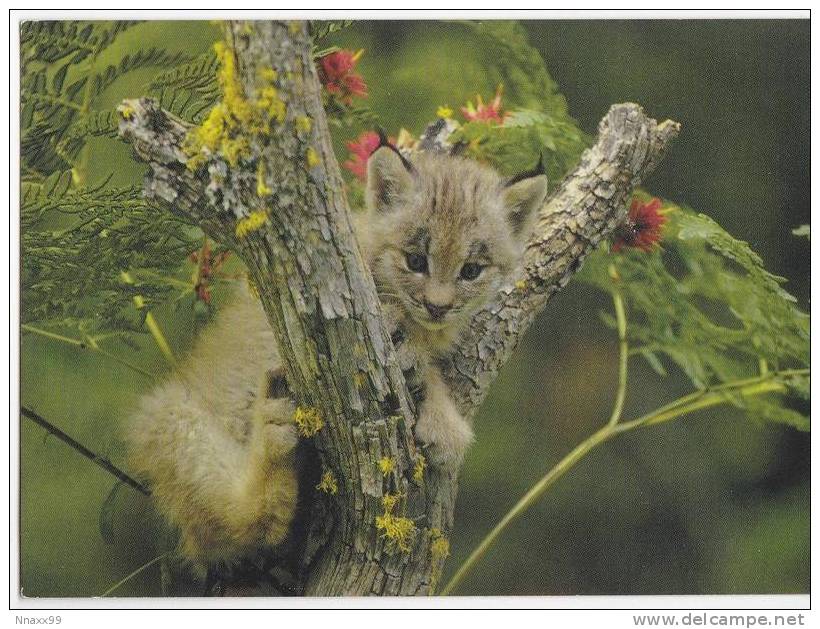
(583, 211)
(323, 307)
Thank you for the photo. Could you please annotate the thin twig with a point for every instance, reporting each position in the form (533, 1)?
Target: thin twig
(89, 343)
(151, 324)
(95, 458)
(135, 573)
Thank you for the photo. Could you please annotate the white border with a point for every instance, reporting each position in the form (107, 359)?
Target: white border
(103, 618)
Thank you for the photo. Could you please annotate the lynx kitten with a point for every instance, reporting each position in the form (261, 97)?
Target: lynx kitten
(441, 235)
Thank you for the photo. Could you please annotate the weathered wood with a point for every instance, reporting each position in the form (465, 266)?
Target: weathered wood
(323, 307)
(583, 211)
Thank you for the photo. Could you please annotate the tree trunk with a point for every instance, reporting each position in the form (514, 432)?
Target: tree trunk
(303, 259)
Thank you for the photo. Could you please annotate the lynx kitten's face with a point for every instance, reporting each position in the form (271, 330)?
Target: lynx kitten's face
(442, 235)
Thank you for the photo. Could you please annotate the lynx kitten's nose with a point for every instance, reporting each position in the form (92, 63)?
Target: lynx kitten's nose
(437, 311)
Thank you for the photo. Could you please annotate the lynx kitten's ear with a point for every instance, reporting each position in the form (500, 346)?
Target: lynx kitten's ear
(388, 177)
(523, 197)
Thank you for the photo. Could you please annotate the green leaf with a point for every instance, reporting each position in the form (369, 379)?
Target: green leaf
(59, 77)
(654, 362)
(767, 411)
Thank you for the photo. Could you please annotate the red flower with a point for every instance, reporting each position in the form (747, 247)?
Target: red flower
(642, 228)
(490, 111)
(336, 74)
(360, 150)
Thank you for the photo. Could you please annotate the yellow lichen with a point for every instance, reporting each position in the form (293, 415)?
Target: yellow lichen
(521, 285)
(304, 124)
(439, 545)
(312, 157)
(444, 111)
(234, 149)
(270, 104)
(268, 74)
(308, 421)
(328, 483)
(387, 465)
(389, 501)
(439, 551)
(418, 468)
(250, 223)
(262, 189)
(397, 530)
(232, 122)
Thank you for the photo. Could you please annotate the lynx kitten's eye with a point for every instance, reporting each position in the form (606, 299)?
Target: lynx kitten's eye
(415, 262)
(471, 271)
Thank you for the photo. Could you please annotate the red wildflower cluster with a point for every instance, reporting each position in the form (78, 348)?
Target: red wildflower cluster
(642, 228)
(207, 265)
(490, 111)
(360, 150)
(336, 74)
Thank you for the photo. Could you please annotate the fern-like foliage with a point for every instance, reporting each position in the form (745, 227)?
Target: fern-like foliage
(190, 89)
(705, 303)
(77, 237)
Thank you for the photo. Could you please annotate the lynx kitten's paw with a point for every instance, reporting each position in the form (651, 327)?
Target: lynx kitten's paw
(446, 433)
(273, 427)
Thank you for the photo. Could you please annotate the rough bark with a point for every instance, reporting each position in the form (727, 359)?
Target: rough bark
(583, 211)
(323, 307)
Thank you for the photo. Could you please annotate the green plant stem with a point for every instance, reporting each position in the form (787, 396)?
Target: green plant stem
(151, 324)
(527, 500)
(135, 573)
(89, 344)
(623, 355)
(751, 387)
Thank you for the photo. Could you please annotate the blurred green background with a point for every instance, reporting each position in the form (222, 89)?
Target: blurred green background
(710, 504)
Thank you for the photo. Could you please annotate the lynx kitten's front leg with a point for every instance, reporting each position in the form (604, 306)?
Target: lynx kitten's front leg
(440, 425)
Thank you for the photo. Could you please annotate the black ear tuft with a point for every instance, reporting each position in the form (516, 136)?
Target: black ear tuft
(458, 148)
(383, 141)
(533, 172)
